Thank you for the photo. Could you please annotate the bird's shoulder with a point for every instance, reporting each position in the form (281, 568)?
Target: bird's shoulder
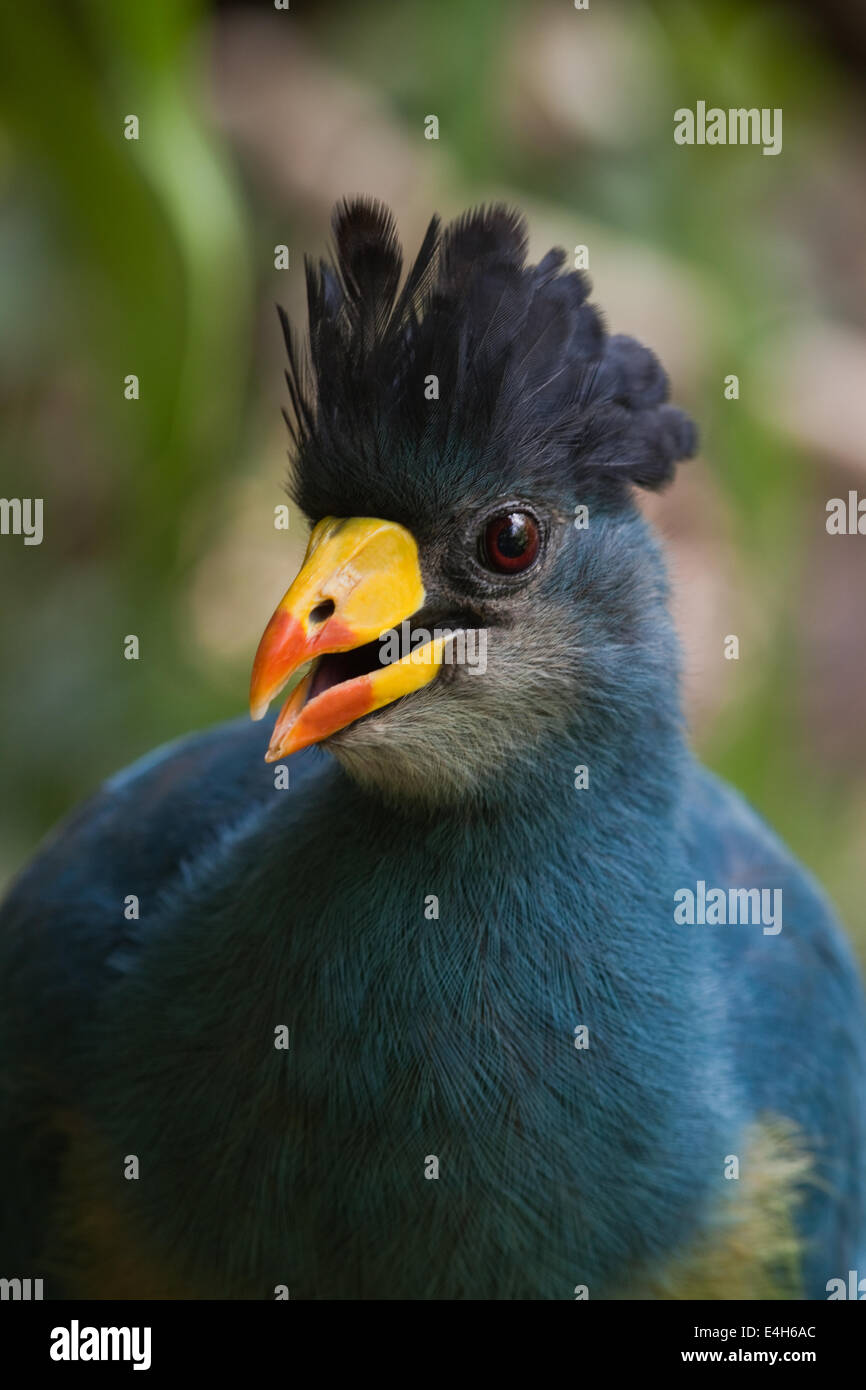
(70, 930)
(795, 1011)
(796, 965)
(731, 846)
(130, 841)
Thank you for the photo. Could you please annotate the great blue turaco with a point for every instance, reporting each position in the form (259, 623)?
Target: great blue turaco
(409, 1009)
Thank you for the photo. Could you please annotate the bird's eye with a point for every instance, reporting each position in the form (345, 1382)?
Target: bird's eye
(510, 542)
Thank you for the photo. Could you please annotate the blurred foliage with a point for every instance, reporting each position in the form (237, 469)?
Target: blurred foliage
(153, 257)
(121, 257)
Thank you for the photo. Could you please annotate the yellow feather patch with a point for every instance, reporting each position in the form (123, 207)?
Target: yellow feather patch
(753, 1250)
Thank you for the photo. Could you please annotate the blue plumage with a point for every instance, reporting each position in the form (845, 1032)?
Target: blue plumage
(432, 908)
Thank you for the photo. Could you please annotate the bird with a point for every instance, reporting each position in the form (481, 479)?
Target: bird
(464, 979)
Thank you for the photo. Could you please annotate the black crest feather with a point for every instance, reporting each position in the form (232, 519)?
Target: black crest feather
(526, 376)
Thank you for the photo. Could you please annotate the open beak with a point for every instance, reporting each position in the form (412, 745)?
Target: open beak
(360, 578)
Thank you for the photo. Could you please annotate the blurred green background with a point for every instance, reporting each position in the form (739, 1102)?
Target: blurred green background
(156, 257)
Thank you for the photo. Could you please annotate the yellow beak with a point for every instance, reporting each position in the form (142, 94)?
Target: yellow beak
(360, 578)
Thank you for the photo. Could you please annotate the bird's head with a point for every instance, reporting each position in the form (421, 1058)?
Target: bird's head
(467, 443)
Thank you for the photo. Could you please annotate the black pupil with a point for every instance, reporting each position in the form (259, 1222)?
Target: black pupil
(513, 538)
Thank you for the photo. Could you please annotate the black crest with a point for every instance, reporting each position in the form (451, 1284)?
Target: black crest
(473, 355)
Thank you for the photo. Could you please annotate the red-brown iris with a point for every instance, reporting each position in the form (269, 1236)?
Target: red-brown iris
(510, 542)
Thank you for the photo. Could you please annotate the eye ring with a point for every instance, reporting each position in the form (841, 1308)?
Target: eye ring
(510, 541)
